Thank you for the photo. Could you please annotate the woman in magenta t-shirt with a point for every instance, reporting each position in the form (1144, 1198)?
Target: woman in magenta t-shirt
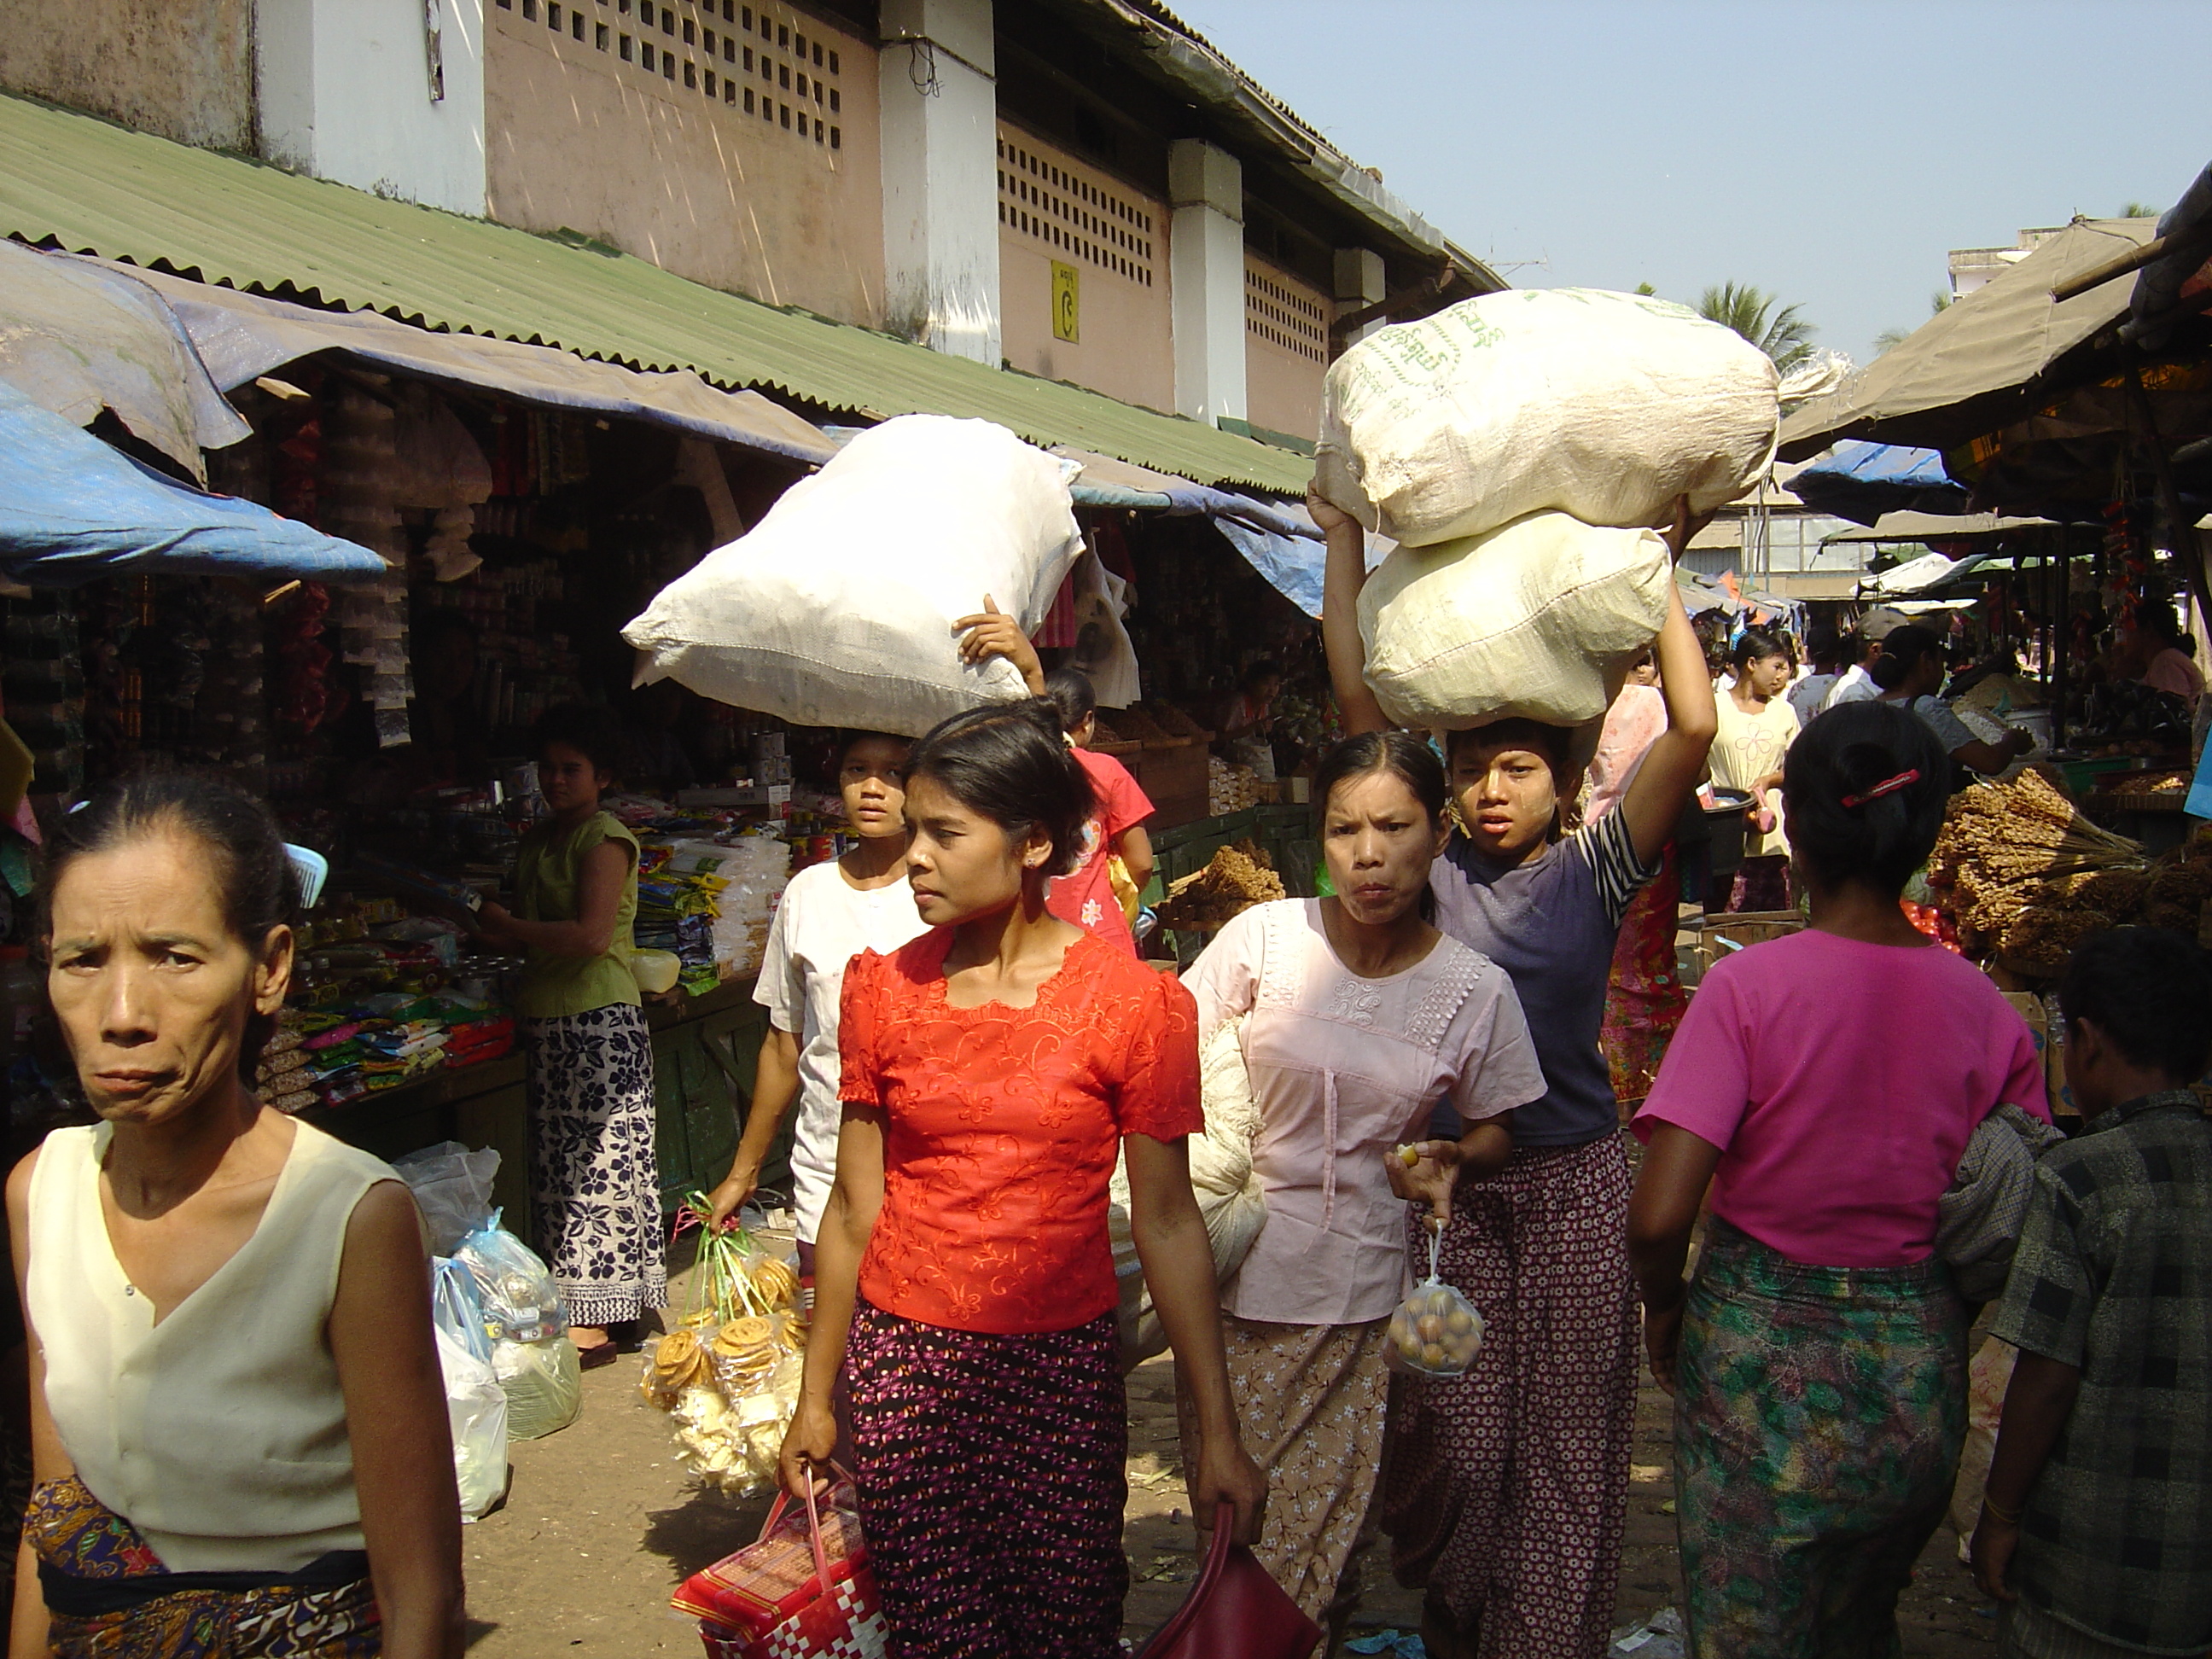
(1824, 1086)
(1087, 896)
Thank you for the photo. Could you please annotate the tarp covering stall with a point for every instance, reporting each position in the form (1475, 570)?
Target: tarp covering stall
(1984, 360)
(240, 336)
(77, 338)
(72, 509)
(1862, 480)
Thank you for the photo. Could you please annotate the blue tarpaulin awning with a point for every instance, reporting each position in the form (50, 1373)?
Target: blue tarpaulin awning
(1862, 480)
(72, 509)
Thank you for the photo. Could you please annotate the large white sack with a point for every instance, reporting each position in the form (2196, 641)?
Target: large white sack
(1538, 620)
(1607, 406)
(837, 608)
(1229, 1199)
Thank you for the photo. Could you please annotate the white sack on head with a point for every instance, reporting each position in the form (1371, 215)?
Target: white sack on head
(1607, 406)
(1538, 620)
(837, 609)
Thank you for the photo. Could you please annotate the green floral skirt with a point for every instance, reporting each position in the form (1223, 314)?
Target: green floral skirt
(1817, 1427)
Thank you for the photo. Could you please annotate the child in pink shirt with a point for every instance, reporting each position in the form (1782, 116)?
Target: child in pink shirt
(1086, 896)
(1824, 1086)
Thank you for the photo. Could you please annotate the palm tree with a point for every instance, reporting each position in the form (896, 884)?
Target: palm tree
(1782, 335)
(1938, 303)
(2138, 210)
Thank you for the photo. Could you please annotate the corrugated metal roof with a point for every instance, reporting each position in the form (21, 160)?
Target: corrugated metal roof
(95, 187)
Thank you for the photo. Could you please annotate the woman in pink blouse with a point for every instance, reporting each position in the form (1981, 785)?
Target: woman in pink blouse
(1359, 1019)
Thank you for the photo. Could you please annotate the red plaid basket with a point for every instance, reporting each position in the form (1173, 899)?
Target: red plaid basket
(803, 1590)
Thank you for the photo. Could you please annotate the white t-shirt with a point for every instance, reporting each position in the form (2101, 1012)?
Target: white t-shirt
(821, 923)
(1856, 686)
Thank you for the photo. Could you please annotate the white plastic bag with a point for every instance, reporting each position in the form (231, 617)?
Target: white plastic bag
(1606, 406)
(520, 1302)
(1221, 1179)
(544, 1383)
(452, 1188)
(1540, 619)
(476, 1404)
(475, 1411)
(837, 609)
(1435, 1331)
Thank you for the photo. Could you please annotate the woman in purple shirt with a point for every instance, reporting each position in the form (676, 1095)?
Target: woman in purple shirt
(1505, 1492)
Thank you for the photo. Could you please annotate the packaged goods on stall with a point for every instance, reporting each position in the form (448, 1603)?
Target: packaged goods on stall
(1238, 876)
(837, 609)
(1435, 1331)
(1538, 620)
(1229, 788)
(1606, 406)
(1230, 1199)
(728, 1374)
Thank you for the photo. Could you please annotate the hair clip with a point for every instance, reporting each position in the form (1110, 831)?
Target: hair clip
(1887, 787)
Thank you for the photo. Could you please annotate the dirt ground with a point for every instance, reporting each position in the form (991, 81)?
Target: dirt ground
(601, 1524)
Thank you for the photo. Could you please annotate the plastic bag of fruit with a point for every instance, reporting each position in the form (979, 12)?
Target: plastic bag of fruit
(1435, 1331)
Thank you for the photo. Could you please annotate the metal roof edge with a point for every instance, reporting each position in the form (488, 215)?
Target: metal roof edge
(1213, 80)
(139, 199)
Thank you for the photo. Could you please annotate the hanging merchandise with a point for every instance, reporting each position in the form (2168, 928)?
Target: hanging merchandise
(360, 486)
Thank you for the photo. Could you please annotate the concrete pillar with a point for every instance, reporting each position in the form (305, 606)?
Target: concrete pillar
(938, 73)
(1206, 275)
(1359, 283)
(385, 96)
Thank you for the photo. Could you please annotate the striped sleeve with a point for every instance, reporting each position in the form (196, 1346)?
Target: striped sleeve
(1611, 851)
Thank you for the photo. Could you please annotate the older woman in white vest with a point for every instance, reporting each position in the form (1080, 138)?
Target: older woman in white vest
(239, 1432)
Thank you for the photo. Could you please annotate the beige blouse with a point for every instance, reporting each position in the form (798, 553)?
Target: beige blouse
(1345, 1068)
(221, 1432)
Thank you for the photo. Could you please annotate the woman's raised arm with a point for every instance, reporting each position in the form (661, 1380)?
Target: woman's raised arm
(1345, 575)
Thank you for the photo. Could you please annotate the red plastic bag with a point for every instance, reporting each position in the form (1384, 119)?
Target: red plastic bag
(803, 1590)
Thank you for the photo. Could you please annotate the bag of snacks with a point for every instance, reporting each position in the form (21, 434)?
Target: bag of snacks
(1435, 1331)
(728, 1375)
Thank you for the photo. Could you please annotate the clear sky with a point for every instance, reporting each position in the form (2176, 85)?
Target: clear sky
(1831, 153)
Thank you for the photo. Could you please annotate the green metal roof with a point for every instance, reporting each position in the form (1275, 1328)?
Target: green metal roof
(92, 186)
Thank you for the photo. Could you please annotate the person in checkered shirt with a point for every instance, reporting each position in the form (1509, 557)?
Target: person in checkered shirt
(2096, 1533)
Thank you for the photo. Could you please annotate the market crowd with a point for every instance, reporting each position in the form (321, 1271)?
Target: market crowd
(239, 1431)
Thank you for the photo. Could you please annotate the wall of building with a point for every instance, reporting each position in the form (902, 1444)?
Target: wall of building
(753, 167)
(385, 96)
(1285, 349)
(184, 68)
(1054, 209)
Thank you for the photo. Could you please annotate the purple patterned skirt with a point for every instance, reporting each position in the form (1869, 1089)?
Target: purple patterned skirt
(990, 1471)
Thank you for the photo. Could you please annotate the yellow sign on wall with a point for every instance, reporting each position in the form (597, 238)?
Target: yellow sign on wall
(1066, 303)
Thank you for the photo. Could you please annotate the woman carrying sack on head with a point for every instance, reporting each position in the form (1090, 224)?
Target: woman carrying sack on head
(1824, 1086)
(828, 913)
(964, 1278)
(1505, 1491)
(594, 1177)
(238, 1423)
(1359, 1019)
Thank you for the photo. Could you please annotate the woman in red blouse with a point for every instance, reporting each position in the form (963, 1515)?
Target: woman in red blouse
(993, 1068)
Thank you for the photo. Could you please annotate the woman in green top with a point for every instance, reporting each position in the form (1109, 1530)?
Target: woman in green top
(593, 1181)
